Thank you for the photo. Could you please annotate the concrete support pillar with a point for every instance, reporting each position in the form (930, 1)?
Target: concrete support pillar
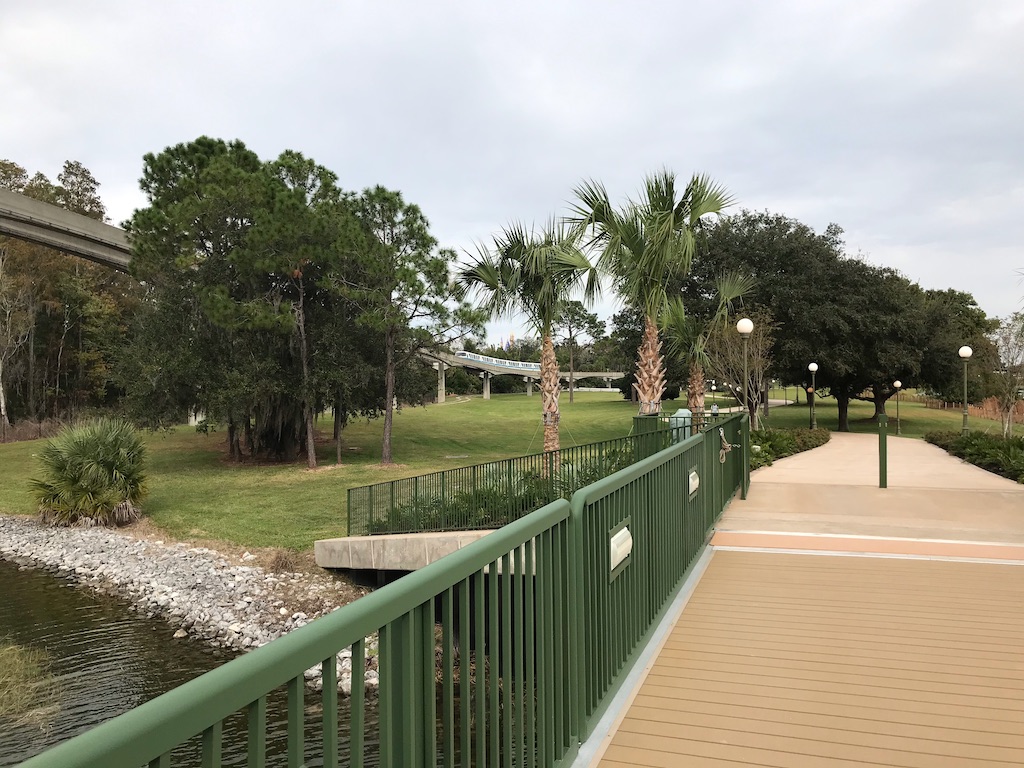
(440, 380)
(529, 385)
(487, 385)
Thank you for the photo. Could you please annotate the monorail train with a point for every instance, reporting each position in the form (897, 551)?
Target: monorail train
(499, 363)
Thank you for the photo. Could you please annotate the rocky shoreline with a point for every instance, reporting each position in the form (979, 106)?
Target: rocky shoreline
(195, 589)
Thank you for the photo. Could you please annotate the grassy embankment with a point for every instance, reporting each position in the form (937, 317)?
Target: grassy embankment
(196, 494)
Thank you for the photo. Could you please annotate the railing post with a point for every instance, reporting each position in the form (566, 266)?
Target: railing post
(391, 506)
(647, 429)
(883, 479)
(745, 454)
(577, 646)
(416, 502)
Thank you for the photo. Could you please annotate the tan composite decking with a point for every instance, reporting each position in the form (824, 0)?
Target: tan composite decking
(787, 656)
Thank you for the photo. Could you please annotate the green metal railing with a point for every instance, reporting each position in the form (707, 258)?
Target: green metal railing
(492, 494)
(504, 653)
(670, 503)
(473, 667)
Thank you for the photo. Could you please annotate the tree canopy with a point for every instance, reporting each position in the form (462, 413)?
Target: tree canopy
(61, 318)
(865, 326)
(283, 294)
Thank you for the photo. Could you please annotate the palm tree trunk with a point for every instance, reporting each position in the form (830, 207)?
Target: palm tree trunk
(650, 370)
(549, 389)
(695, 393)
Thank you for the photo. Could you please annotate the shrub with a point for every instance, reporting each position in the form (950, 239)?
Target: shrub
(93, 475)
(991, 452)
(806, 439)
(282, 561)
(943, 440)
(500, 496)
(770, 444)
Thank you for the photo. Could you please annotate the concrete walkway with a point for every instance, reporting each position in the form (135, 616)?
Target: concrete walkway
(840, 624)
(832, 491)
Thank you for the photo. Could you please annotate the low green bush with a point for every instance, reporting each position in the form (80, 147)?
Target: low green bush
(93, 474)
(498, 501)
(943, 439)
(767, 445)
(991, 452)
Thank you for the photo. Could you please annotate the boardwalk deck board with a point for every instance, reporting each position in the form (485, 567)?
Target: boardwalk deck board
(808, 660)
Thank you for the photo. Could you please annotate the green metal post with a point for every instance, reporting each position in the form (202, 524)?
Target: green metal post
(883, 480)
(965, 431)
(646, 428)
(898, 431)
(810, 398)
(746, 381)
(745, 470)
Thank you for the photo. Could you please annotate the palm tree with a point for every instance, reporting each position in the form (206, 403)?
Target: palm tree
(641, 247)
(535, 274)
(688, 336)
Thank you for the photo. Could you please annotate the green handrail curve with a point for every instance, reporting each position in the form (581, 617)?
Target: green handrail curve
(616, 615)
(155, 728)
(576, 625)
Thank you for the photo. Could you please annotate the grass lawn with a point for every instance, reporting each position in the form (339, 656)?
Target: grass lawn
(196, 494)
(915, 419)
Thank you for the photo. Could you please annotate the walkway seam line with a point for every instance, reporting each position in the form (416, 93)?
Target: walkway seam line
(868, 536)
(884, 555)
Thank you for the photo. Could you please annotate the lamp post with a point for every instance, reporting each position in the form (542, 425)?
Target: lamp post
(745, 327)
(965, 355)
(813, 368)
(898, 384)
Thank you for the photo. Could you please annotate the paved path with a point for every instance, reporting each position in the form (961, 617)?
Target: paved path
(907, 653)
(832, 491)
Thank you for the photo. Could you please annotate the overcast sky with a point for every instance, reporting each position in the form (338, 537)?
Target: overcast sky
(903, 122)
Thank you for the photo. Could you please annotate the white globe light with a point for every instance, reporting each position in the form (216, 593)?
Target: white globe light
(812, 367)
(897, 383)
(745, 326)
(966, 352)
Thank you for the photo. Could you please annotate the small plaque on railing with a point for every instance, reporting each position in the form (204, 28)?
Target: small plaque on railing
(694, 482)
(620, 548)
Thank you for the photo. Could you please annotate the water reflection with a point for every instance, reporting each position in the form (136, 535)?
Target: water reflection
(108, 659)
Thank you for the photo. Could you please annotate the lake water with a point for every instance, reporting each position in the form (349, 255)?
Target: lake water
(108, 659)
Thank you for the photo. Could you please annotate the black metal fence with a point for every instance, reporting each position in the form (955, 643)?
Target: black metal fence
(493, 494)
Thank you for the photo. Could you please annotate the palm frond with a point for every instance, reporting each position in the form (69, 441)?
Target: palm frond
(93, 475)
(531, 272)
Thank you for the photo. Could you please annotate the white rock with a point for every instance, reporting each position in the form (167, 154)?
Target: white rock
(195, 589)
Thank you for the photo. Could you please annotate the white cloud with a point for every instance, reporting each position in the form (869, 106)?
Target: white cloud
(899, 121)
